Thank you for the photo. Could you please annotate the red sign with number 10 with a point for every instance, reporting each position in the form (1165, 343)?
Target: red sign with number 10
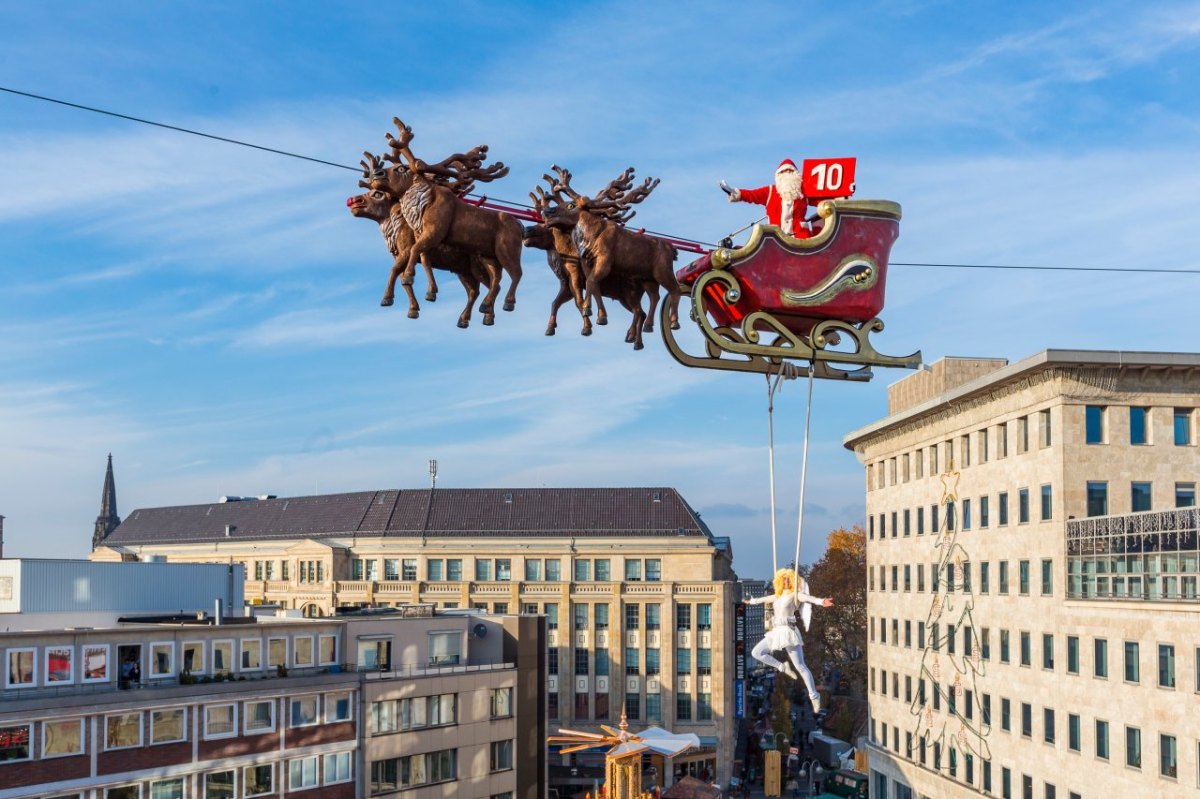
(825, 178)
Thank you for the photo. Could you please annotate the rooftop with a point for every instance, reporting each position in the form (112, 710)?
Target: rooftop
(457, 512)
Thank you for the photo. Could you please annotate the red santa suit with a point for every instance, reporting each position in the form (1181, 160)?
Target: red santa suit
(770, 197)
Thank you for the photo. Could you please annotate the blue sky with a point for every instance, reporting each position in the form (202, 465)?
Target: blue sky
(210, 313)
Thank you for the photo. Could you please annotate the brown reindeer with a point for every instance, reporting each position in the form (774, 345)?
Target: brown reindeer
(565, 261)
(380, 206)
(601, 238)
(429, 201)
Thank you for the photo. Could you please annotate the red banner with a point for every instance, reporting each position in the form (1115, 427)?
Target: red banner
(826, 178)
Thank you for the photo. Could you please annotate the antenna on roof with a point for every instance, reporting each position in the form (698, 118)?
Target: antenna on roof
(432, 473)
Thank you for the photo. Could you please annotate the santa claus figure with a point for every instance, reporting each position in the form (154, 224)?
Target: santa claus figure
(785, 201)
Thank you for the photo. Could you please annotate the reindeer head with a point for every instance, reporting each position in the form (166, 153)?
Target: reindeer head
(377, 202)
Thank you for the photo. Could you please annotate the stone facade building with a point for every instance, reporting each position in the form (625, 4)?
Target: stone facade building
(637, 592)
(1056, 652)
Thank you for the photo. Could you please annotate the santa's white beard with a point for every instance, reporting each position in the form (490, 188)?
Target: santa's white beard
(788, 186)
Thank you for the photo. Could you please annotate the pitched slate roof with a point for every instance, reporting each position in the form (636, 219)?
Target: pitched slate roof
(455, 512)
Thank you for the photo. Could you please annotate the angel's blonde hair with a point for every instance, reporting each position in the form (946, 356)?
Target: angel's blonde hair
(785, 580)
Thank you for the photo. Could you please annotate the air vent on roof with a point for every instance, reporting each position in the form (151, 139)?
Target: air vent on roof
(657, 497)
(508, 497)
(230, 529)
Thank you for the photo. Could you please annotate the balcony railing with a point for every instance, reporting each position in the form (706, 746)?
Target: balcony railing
(1148, 556)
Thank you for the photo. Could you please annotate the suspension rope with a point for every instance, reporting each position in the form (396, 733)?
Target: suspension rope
(786, 371)
(804, 471)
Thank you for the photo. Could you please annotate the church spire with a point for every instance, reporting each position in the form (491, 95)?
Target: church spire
(108, 519)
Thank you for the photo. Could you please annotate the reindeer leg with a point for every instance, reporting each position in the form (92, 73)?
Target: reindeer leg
(432, 292)
(575, 275)
(652, 291)
(600, 269)
(509, 254)
(564, 294)
(488, 306)
(601, 312)
(389, 294)
(406, 280)
(471, 284)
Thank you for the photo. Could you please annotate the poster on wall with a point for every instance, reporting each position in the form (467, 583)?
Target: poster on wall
(95, 662)
(21, 668)
(60, 662)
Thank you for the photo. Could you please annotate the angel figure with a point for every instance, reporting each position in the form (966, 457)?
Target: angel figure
(784, 634)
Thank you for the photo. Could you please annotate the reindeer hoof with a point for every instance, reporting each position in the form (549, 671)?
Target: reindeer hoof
(463, 323)
(629, 338)
(386, 301)
(674, 325)
(508, 306)
(550, 331)
(414, 314)
(489, 319)
(602, 320)
(637, 345)
(587, 331)
(430, 296)
(648, 327)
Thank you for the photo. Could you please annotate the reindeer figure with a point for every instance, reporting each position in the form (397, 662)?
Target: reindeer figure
(563, 259)
(429, 201)
(379, 205)
(605, 246)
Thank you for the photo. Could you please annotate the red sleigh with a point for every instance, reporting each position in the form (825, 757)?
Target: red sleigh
(778, 298)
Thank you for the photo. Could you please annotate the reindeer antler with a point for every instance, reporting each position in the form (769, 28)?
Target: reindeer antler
(400, 145)
(372, 168)
(613, 203)
(562, 184)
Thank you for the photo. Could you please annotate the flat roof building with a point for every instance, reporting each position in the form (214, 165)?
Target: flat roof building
(1032, 564)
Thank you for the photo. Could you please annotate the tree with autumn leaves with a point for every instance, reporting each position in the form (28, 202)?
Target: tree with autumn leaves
(837, 638)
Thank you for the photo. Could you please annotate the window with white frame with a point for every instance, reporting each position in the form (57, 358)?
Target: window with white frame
(168, 726)
(162, 659)
(302, 773)
(20, 668)
(327, 649)
(258, 780)
(338, 706)
(260, 716)
(337, 768)
(277, 651)
(302, 651)
(304, 711)
(62, 738)
(501, 756)
(220, 721)
(192, 661)
(123, 792)
(122, 731)
(251, 654)
(445, 648)
(222, 657)
(501, 702)
(167, 789)
(16, 742)
(220, 784)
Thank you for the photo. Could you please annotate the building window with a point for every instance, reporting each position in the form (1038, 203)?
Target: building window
(1100, 658)
(336, 768)
(1094, 424)
(551, 611)
(304, 711)
(704, 708)
(257, 780)
(985, 577)
(683, 707)
(338, 707)
(1166, 666)
(1072, 654)
(391, 569)
(1097, 498)
(602, 664)
(168, 726)
(1023, 506)
(603, 569)
(302, 651)
(581, 615)
(220, 721)
(1183, 427)
(1022, 435)
(683, 617)
(704, 616)
(1046, 436)
(1026, 720)
(632, 660)
(219, 785)
(582, 662)
(1048, 651)
(653, 569)
(633, 570)
(1047, 503)
(632, 616)
(501, 702)
(15, 742)
(1102, 739)
(1185, 495)
(1139, 427)
(123, 731)
(1048, 725)
(703, 661)
(653, 707)
(435, 570)
(501, 756)
(1005, 655)
(1005, 715)
(163, 789)
(1168, 757)
(1074, 737)
(483, 569)
(633, 707)
(653, 616)
(983, 512)
(302, 773)
(1139, 497)
(1002, 508)
(1047, 577)
(408, 569)
(600, 616)
(1023, 577)
(683, 661)
(1026, 649)
(966, 514)
(921, 520)
(1133, 747)
(259, 717)
(1132, 667)
(1004, 577)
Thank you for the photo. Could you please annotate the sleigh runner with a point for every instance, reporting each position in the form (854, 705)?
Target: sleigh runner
(783, 298)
